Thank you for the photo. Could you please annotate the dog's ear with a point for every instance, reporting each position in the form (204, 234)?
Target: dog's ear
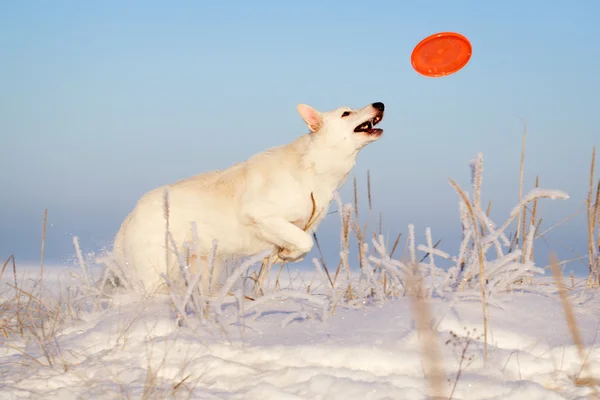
(312, 117)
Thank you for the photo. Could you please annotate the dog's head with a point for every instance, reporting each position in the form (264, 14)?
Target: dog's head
(345, 126)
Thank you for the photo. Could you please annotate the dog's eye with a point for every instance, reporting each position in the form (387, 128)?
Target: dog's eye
(345, 114)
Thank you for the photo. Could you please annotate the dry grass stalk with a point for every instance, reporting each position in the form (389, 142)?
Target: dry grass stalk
(337, 271)
(82, 263)
(570, 317)
(396, 242)
(376, 224)
(433, 362)
(567, 307)
(359, 233)
(487, 214)
(323, 263)
(262, 272)
(43, 246)
(277, 284)
(532, 224)
(523, 230)
(433, 247)
(34, 319)
(346, 242)
(597, 217)
(5, 325)
(464, 360)
(11, 257)
(42, 254)
(594, 278)
(464, 281)
(522, 217)
(166, 215)
(19, 321)
(265, 269)
(598, 209)
(598, 230)
(355, 199)
(559, 223)
(480, 257)
(369, 190)
(572, 275)
(343, 262)
(313, 215)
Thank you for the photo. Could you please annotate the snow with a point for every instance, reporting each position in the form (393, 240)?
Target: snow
(380, 327)
(132, 347)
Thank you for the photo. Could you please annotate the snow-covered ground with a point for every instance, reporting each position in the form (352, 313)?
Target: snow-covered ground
(284, 349)
(375, 330)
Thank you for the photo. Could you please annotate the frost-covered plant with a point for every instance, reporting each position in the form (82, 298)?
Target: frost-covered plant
(486, 259)
(480, 234)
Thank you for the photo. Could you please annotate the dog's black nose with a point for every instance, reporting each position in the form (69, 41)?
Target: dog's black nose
(379, 106)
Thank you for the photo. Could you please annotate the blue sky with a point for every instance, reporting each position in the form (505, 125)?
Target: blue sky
(102, 101)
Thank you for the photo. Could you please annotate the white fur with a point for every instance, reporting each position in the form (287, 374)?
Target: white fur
(263, 203)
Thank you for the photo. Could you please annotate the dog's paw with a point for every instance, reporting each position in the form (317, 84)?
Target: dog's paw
(291, 255)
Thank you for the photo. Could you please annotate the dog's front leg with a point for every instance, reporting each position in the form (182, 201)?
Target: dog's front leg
(293, 241)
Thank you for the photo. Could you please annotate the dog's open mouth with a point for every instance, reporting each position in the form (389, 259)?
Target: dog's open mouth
(367, 126)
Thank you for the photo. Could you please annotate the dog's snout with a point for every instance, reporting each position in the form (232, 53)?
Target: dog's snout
(378, 106)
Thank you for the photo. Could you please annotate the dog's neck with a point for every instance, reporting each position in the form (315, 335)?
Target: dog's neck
(330, 164)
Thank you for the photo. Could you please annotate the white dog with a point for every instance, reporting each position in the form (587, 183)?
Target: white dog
(273, 201)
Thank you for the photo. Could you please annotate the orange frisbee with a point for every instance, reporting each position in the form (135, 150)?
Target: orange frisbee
(441, 54)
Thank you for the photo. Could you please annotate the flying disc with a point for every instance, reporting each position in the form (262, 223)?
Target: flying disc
(441, 54)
